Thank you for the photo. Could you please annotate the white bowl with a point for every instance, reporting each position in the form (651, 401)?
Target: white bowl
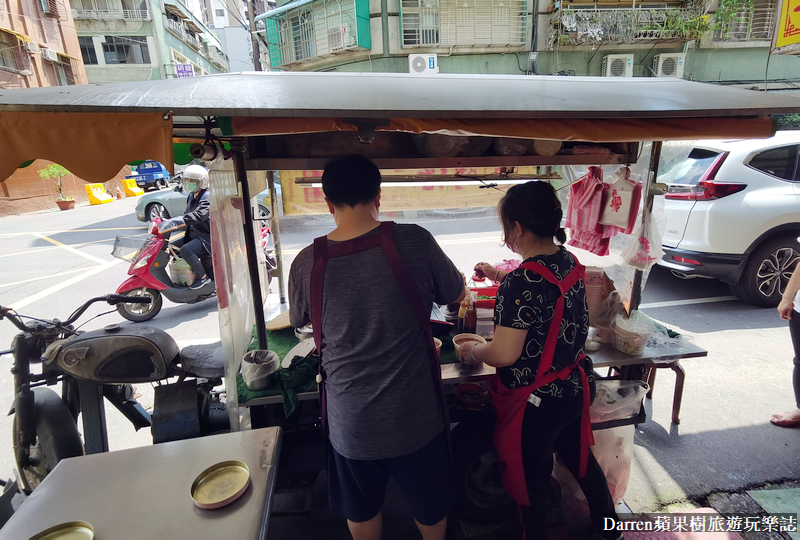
(463, 338)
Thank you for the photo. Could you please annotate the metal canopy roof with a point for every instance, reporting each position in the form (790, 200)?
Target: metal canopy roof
(373, 95)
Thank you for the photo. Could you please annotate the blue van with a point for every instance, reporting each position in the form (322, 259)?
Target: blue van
(150, 175)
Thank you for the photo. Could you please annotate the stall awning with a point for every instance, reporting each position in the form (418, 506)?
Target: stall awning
(125, 120)
(92, 146)
(176, 10)
(283, 9)
(569, 129)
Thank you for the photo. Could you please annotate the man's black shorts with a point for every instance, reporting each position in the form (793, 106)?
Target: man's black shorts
(357, 487)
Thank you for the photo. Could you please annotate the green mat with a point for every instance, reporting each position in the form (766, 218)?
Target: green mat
(282, 341)
(779, 501)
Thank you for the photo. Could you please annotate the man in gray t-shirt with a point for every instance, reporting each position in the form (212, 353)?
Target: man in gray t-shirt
(384, 412)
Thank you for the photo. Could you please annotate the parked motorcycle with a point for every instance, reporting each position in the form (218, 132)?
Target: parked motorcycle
(97, 365)
(150, 261)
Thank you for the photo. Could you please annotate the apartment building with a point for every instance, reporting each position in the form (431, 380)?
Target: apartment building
(134, 40)
(720, 41)
(38, 45)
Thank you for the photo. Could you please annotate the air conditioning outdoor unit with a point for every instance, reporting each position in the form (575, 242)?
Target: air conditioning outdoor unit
(33, 46)
(618, 65)
(423, 64)
(668, 65)
(50, 54)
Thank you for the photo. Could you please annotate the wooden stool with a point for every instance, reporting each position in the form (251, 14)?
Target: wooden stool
(680, 377)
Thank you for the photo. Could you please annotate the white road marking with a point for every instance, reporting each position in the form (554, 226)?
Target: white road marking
(9, 235)
(39, 250)
(44, 277)
(689, 301)
(64, 284)
(71, 249)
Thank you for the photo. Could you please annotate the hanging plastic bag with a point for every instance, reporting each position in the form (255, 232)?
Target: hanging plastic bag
(618, 202)
(645, 248)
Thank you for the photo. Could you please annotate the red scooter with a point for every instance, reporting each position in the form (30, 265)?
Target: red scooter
(149, 277)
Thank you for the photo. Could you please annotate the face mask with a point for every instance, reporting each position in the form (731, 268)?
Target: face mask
(512, 246)
(191, 186)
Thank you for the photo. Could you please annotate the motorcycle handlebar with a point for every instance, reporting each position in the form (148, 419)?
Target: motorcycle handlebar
(111, 299)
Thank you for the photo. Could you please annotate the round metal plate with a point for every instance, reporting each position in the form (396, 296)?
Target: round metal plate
(220, 484)
(73, 530)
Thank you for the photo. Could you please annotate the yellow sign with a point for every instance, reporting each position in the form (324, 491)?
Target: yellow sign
(788, 33)
(309, 199)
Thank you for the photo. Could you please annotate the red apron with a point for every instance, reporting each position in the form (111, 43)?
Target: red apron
(323, 252)
(510, 404)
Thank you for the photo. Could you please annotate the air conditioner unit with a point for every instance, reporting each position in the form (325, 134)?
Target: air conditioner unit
(50, 54)
(423, 64)
(33, 46)
(668, 65)
(618, 65)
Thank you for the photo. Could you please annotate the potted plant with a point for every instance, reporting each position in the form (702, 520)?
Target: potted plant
(57, 171)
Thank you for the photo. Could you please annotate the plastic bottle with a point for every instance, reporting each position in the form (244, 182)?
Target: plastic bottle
(462, 309)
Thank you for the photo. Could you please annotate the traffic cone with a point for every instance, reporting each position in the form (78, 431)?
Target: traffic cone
(119, 193)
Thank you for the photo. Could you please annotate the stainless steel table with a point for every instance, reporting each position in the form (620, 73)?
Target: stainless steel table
(144, 493)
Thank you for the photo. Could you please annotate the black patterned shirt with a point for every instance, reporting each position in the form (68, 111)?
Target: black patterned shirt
(526, 301)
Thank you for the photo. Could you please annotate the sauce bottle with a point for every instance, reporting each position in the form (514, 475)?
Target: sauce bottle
(470, 320)
(462, 309)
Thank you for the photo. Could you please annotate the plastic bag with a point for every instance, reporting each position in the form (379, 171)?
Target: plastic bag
(180, 272)
(617, 400)
(618, 203)
(613, 449)
(607, 311)
(257, 368)
(645, 248)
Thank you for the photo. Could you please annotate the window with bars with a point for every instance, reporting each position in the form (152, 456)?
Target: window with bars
(420, 22)
(297, 36)
(753, 24)
(126, 50)
(88, 51)
(13, 53)
(465, 23)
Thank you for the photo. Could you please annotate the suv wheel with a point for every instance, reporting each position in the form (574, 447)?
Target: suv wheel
(767, 272)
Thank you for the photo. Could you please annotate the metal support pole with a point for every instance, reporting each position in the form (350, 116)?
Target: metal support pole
(251, 15)
(238, 147)
(95, 434)
(275, 229)
(647, 208)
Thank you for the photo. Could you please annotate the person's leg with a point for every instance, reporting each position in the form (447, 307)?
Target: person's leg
(594, 484)
(367, 530)
(792, 418)
(356, 489)
(540, 428)
(433, 532)
(190, 252)
(424, 478)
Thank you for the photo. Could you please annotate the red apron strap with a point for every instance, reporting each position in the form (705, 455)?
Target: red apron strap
(415, 300)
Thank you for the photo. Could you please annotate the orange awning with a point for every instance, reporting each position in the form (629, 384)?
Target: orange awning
(598, 130)
(105, 141)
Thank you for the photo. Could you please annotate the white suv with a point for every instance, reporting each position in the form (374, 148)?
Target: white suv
(733, 213)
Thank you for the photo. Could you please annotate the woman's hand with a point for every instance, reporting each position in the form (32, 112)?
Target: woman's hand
(466, 353)
(785, 308)
(485, 270)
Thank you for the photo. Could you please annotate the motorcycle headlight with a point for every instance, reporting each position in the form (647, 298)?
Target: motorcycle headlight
(141, 262)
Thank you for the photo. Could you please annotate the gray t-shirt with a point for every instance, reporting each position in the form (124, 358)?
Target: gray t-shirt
(381, 395)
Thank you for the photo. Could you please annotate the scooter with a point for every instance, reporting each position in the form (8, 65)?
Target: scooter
(149, 277)
(97, 365)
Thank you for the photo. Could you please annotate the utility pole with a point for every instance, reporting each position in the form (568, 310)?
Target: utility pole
(251, 15)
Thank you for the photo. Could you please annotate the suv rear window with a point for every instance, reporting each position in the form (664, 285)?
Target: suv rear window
(695, 166)
(780, 162)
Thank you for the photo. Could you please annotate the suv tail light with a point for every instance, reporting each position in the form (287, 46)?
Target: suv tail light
(707, 188)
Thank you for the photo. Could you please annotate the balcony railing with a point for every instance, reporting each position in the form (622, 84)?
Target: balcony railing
(616, 26)
(112, 14)
(217, 58)
(192, 41)
(176, 27)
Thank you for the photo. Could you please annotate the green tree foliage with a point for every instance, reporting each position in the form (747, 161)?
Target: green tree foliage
(56, 171)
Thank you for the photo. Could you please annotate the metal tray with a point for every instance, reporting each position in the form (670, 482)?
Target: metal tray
(72, 530)
(220, 484)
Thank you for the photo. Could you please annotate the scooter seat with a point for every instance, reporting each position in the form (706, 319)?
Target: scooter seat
(205, 361)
